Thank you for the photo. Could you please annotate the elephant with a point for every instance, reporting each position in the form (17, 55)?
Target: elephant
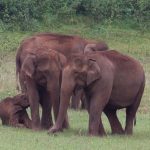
(13, 111)
(111, 81)
(41, 73)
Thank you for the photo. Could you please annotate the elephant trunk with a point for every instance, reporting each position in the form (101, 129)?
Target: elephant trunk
(66, 92)
(64, 103)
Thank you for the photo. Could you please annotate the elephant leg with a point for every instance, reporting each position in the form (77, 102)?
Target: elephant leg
(19, 125)
(95, 124)
(101, 128)
(87, 102)
(98, 101)
(46, 121)
(26, 120)
(75, 100)
(34, 104)
(14, 121)
(65, 124)
(114, 122)
(83, 101)
(130, 116)
(5, 121)
(131, 111)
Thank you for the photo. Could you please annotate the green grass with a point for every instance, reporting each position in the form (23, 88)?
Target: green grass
(76, 137)
(128, 41)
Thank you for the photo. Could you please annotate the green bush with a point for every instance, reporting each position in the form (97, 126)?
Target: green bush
(25, 14)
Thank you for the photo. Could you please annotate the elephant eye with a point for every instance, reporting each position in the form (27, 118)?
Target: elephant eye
(92, 60)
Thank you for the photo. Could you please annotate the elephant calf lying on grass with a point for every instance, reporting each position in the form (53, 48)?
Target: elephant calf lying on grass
(111, 81)
(13, 111)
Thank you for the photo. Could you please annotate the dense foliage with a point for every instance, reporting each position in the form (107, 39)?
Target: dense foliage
(26, 14)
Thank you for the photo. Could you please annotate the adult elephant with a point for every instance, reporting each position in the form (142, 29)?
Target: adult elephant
(41, 72)
(111, 81)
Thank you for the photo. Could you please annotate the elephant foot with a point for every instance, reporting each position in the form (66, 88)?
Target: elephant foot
(121, 131)
(97, 134)
(36, 128)
(54, 129)
(93, 134)
(65, 125)
(128, 132)
(46, 127)
(102, 134)
(19, 125)
(74, 107)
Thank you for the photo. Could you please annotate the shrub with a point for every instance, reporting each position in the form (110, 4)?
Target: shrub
(24, 14)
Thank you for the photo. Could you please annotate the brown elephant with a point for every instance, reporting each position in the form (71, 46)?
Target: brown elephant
(111, 81)
(13, 111)
(41, 73)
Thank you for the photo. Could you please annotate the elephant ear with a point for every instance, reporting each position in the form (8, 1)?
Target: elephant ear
(99, 46)
(28, 65)
(94, 72)
(89, 48)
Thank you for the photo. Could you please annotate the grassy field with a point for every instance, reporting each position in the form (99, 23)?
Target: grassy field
(76, 137)
(131, 42)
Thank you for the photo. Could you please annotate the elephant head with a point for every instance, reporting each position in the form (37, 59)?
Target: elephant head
(21, 100)
(46, 62)
(98, 46)
(82, 71)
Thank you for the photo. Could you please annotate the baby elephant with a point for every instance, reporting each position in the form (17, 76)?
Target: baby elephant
(13, 111)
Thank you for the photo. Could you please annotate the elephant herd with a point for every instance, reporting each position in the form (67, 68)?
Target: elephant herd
(52, 68)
